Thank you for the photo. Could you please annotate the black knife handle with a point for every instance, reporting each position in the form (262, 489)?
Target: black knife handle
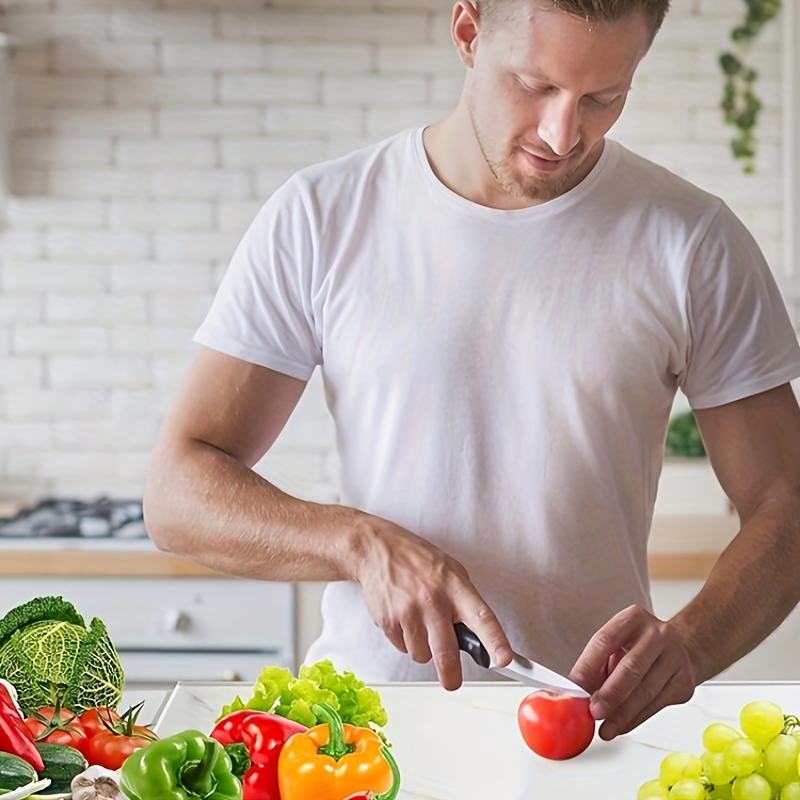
(472, 646)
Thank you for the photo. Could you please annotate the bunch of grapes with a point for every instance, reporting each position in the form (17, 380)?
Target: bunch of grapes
(760, 763)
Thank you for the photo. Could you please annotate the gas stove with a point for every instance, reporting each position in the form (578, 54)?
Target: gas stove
(76, 519)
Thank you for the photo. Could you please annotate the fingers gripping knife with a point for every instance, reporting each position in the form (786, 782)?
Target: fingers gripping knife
(520, 669)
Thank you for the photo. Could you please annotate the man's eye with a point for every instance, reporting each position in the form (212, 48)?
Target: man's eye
(530, 89)
(601, 104)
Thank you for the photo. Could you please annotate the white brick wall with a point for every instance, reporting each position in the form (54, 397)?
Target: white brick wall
(148, 134)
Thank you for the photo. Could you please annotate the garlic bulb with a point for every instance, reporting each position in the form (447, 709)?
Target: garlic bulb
(97, 782)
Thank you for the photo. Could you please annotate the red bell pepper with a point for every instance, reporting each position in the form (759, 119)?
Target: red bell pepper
(15, 737)
(254, 740)
(393, 792)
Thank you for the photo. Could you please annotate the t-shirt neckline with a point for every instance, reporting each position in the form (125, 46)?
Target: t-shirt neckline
(566, 200)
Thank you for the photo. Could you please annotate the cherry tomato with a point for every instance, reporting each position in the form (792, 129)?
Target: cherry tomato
(64, 727)
(556, 726)
(92, 720)
(109, 749)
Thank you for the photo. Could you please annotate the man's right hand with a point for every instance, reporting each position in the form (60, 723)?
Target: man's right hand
(416, 593)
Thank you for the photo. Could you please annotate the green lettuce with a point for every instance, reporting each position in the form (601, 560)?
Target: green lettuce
(277, 691)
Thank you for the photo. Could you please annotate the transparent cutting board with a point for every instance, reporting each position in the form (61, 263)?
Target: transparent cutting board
(465, 745)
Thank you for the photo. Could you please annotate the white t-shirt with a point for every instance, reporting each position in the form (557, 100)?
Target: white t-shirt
(501, 381)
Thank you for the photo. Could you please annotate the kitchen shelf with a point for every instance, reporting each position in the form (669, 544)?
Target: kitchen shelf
(99, 563)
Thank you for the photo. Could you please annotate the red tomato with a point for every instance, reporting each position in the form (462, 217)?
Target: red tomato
(555, 726)
(64, 729)
(109, 749)
(92, 720)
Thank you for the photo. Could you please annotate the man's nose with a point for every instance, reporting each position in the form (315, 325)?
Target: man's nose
(559, 128)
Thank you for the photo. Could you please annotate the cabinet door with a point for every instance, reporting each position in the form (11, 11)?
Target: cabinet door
(175, 613)
(166, 668)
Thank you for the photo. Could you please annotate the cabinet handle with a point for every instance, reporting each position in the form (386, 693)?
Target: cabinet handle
(175, 621)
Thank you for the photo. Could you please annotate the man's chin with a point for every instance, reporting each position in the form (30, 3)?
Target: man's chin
(534, 183)
(540, 188)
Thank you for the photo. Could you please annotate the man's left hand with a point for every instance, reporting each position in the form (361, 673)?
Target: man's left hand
(634, 666)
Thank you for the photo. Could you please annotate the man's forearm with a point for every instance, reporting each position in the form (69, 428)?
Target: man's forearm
(207, 506)
(752, 588)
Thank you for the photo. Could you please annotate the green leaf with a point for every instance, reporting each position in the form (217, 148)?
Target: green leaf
(236, 705)
(730, 64)
(300, 711)
(279, 692)
(683, 437)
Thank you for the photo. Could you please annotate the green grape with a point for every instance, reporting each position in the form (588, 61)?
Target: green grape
(718, 735)
(752, 787)
(715, 768)
(761, 721)
(780, 759)
(791, 791)
(722, 792)
(687, 789)
(742, 757)
(677, 766)
(652, 790)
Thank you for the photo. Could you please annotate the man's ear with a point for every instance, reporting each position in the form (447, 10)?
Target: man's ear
(464, 30)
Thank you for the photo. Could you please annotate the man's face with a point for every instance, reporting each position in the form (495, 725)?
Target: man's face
(543, 91)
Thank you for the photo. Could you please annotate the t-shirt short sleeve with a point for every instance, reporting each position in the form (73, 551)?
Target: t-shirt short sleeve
(263, 312)
(742, 341)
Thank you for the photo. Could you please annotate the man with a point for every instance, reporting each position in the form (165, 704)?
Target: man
(502, 306)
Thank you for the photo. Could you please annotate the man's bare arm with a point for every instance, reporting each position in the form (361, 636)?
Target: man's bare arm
(754, 447)
(638, 664)
(203, 501)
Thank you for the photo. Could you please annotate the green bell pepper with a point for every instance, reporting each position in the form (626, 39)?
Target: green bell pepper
(187, 766)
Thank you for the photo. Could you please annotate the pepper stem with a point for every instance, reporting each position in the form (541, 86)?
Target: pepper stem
(240, 759)
(336, 747)
(395, 789)
(198, 776)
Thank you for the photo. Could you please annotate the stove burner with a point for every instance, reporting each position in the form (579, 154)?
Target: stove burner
(119, 519)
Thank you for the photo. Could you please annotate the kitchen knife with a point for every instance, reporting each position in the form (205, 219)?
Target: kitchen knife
(520, 669)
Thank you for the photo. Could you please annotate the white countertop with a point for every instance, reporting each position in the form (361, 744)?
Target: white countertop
(465, 745)
(153, 700)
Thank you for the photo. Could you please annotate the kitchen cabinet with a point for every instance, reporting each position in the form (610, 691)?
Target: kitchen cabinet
(179, 629)
(465, 745)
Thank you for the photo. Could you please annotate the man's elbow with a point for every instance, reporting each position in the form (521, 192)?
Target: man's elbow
(161, 531)
(160, 506)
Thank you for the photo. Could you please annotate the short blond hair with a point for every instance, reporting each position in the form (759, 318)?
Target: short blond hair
(594, 10)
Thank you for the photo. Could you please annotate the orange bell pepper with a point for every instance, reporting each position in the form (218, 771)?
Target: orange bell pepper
(333, 761)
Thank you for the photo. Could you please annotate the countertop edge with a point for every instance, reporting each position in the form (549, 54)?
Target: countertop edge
(681, 547)
(131, 564)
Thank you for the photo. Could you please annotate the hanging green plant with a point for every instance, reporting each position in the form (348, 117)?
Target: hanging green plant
(740, 104)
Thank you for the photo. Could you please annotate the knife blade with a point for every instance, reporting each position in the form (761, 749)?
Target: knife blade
(520, 669)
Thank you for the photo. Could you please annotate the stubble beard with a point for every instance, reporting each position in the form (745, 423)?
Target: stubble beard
(539, 188)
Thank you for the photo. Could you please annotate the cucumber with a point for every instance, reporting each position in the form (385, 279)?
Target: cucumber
(15, 772)
(61, 764)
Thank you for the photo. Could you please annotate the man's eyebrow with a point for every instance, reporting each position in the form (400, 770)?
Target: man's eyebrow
(624, 86)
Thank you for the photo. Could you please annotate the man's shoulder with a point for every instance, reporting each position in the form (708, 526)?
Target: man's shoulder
(646, 181)
(357, 168)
